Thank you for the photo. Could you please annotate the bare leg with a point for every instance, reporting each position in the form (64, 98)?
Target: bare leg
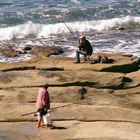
(39, 121)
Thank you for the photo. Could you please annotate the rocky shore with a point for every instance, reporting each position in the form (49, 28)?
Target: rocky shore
(100, 101)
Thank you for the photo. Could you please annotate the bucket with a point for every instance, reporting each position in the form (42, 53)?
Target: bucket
(47, 119)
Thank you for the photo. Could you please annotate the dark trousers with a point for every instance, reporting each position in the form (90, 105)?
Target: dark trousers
(78, 52)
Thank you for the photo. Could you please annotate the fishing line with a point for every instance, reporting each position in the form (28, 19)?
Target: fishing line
(60, 17)
(66, 25)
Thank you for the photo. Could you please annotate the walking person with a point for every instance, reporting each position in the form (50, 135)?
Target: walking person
(84, 48)
(42, 104)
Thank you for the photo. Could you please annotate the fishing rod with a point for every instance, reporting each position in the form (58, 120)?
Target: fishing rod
(67, 26)
(63, 21)
(51, 109)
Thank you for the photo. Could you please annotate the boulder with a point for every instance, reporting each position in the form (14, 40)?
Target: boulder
(46, 51)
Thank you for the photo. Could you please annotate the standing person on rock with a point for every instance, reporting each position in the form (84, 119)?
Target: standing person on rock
(84, 48)
(42, 104)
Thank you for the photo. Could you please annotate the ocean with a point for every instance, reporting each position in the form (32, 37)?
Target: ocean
(112, 26)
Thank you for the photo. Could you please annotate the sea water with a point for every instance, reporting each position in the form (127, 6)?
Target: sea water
(112, 26)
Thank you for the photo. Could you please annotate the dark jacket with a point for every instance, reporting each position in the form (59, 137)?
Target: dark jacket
(86, 46)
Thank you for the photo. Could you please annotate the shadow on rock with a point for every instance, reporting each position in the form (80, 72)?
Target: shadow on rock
(58, 127)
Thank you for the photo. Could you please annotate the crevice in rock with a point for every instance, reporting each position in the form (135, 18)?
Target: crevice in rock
(81, 120)
(86, 84)
(33, 68)
(125, 121)
(126, 79)
(20, 68)
(51, 69)
(77, 84)
(32, 101)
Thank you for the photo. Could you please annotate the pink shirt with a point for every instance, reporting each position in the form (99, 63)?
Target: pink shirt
(43, 99)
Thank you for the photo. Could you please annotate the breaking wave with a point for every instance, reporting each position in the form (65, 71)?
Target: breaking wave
(45, 30)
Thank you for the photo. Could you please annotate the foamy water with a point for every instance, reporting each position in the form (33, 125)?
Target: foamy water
(42, 30)
(40, 23)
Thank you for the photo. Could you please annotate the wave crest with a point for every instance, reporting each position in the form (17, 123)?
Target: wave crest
(45, 30)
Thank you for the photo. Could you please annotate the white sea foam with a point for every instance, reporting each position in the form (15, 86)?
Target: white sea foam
(121, 48)
(45, 30)
(15, 59)
(76, 1)
(19, 31)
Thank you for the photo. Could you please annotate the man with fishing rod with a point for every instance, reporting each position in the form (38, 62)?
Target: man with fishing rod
(42, 104)
(84, 48)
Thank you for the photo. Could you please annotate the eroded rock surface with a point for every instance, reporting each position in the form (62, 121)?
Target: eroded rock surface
(88, 101)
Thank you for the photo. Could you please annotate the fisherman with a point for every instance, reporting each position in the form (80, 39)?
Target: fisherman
(85, 49)
(42, 104)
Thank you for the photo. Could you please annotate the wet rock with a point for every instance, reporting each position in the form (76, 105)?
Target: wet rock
(8, 52)
(21, 52)
(27, 48)
(121, 28)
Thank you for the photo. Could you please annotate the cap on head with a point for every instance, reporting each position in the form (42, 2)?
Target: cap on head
(46, 85)
(82, 37)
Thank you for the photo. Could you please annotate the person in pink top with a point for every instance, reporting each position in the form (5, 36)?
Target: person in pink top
(42, 103)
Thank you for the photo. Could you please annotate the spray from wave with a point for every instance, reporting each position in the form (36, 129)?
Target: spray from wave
(45, 30)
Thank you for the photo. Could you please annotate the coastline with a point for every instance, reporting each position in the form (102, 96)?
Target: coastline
(112, 98)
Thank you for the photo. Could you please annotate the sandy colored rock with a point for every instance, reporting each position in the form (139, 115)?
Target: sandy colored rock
(8, 52)
(46, 51)
(93, 101)
(72, 130)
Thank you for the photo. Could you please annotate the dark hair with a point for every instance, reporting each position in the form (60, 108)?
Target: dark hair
(46, 85)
